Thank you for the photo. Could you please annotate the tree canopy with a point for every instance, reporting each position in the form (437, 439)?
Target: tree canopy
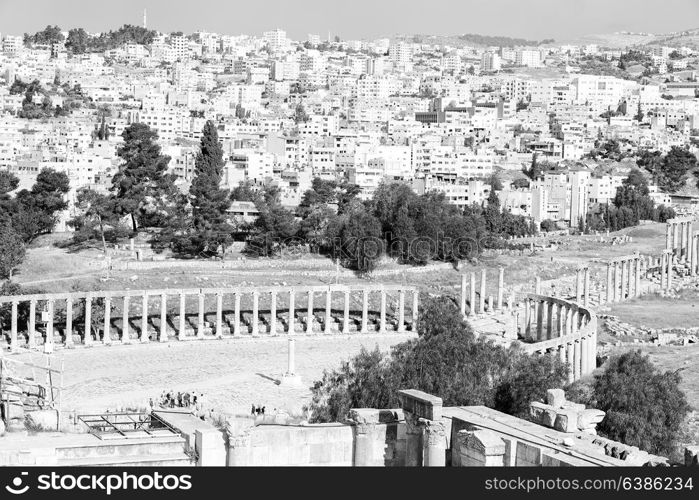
(446, 360)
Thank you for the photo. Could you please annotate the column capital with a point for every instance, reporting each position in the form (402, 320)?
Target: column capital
(412, 423)
(435, 431)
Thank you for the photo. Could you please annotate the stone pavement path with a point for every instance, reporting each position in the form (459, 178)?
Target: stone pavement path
(232, 374)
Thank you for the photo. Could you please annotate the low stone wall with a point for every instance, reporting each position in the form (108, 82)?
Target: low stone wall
(380, 443)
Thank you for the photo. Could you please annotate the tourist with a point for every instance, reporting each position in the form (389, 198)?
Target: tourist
(253, 410)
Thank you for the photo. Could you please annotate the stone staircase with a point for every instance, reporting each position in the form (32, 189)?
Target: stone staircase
(126, 452)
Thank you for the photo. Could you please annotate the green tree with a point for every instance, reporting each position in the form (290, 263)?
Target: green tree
(493, 213)
(211, 231)
(445, 360)
(300, 114)
(142, 181)
(644, 406)
(360, 239)
(77, 41)
(96, 212)
(12, 250)
(38, 209)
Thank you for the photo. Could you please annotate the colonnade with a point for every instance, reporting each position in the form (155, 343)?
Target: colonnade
(624, 277)
(563, 328)
(680, 239)
(107, 317)
(484, 303)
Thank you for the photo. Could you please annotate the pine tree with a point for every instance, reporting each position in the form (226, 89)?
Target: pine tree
(210, 228)
(142, 182)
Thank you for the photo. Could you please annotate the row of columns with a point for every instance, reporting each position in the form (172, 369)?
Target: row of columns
(546, 320)
(582, 286)
(563, 330)
(678, 238)
(200, 331)
(468, 294)
(624, 278)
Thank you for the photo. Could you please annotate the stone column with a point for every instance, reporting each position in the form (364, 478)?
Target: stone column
(183, 316)
(200, 323)
(630, 273)
(239, 446)
(13, 328)
(106, 336)
(663, 269)
(570, 348)
(236, 314)
(88, 320)
(610, 287)
(219, 315)
(49, 326)
(346, 313)
(163, 317)
(291, 357)
(255, 313)
(414, 310)
(144, 319)
(637, 278)
(622, 288)
(382, 313)
(463, 294)
(273, 313)
(561, 320)
(69, 321)
(481, 308)
(472, 295)
(365, 437)
(617, 282)
(668, 283)
(401, 311)
(413, 440)
(584, 350)
(527, 318)
(537, 285)
(690, 245)
(292, 312)
(328, 311)
(32, 323)
(549, 320)
(501, 287)
(365, 311)
(309, 316)
(586, 287)
(577, 360)
(434, 443)
(540, 320)
(578, 286)
(125, 320)
(668, 236)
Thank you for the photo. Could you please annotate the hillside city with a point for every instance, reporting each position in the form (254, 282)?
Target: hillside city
(436, 117)
(458, 250)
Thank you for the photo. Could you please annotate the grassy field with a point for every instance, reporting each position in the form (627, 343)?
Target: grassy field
(654, 311)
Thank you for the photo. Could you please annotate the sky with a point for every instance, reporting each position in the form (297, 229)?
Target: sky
(360, 19)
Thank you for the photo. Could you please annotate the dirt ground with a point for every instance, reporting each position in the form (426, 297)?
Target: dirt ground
(232, 374)
(653, 311)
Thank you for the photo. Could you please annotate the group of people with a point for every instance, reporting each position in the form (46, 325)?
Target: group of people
(172, 399)
(257, 410)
